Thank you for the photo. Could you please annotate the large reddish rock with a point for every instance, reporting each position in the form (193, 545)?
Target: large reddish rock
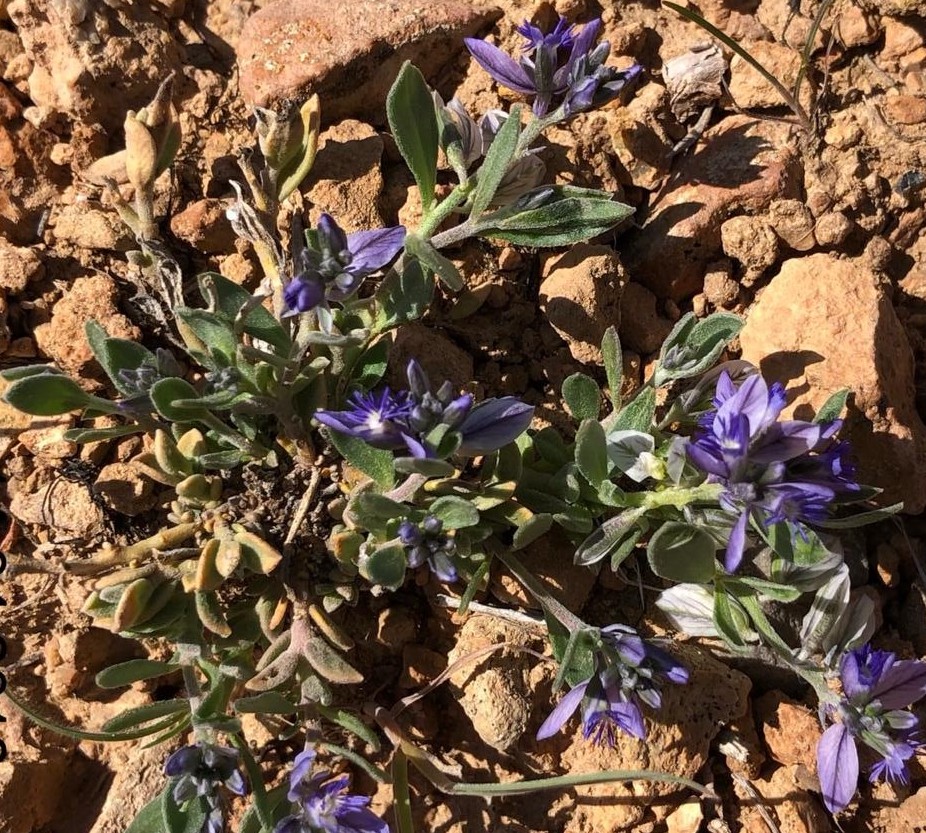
(64, 339)
(94, 61)
(581, 297)
(823, 324)
(740, 167)
(349, 53)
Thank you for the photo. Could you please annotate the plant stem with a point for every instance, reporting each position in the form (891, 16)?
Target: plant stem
(454, 235)
(256, 777)
(560, 781)
(443, 210)
(234, 437)
(676, 496)
(192, 686)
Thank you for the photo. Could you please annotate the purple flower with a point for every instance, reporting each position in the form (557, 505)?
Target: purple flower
(427, 541)
(421, 419)
(335, 266)
(376, 418)
(561, 67)
(629, 671)
(773, 470)
(324, 806)
(877, 689)
(199, 771)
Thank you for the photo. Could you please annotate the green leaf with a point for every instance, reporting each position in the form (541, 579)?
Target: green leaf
(582, 396)
(762, 625)
(165, 392)
(428, 466)
(187, 819)
(126, 673)
(230, 300)
(224, 460)
(374, 462)
(92, 435)
(560, 221)
(48, 394)
(404, 294)
(578, 651)
(592, 452)
(448, 274)
(371, 366)
(497, 160)
(267, 702)
(771, 589)
(386, 566)
(613, 364)
(862, 519)
(144, 714)
(531, 530)
(717, 328)
(626, 547)
(833, 407)
(638, 414)
(370, 506)
(103, 736)
(115, 354)
(730, 619)
(681, 552)
(410, 110)
(694, 346)
(149, 818)
(607, 538)
(215, 333)
(14, 374)
(352, 724)
(455, 512)
(550, 446)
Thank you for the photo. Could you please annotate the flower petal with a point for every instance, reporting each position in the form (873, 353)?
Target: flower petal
(563, 711)
(837, 767)
(372, 250)
(629, 718)
(901, 685)
(737, 543)
(501, 66)
(494, 423)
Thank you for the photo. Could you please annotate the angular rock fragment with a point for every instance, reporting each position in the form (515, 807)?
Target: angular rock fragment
(349, 53)
(823, 324)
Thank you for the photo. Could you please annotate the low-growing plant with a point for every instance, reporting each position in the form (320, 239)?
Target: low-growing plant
(696, 473)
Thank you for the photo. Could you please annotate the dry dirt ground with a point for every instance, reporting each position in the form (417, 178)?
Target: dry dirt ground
(816, 238)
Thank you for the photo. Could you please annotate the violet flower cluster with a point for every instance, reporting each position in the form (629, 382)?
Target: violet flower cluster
(200, 770)
(419, 419)
(629, 672)
(323, 803)
(427, 541)
(877, 690)
(561, 68)
(335, 268)
(771, 470)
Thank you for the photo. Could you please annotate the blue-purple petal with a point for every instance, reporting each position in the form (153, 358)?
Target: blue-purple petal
(565, 709)
(372, 250)
(493, 424)
(737, 543)
(901, 685)
(501, 66)
(837, 767)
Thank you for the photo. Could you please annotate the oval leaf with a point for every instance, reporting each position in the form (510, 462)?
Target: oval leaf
(681, 552)
(126, 673)
(410, 110)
